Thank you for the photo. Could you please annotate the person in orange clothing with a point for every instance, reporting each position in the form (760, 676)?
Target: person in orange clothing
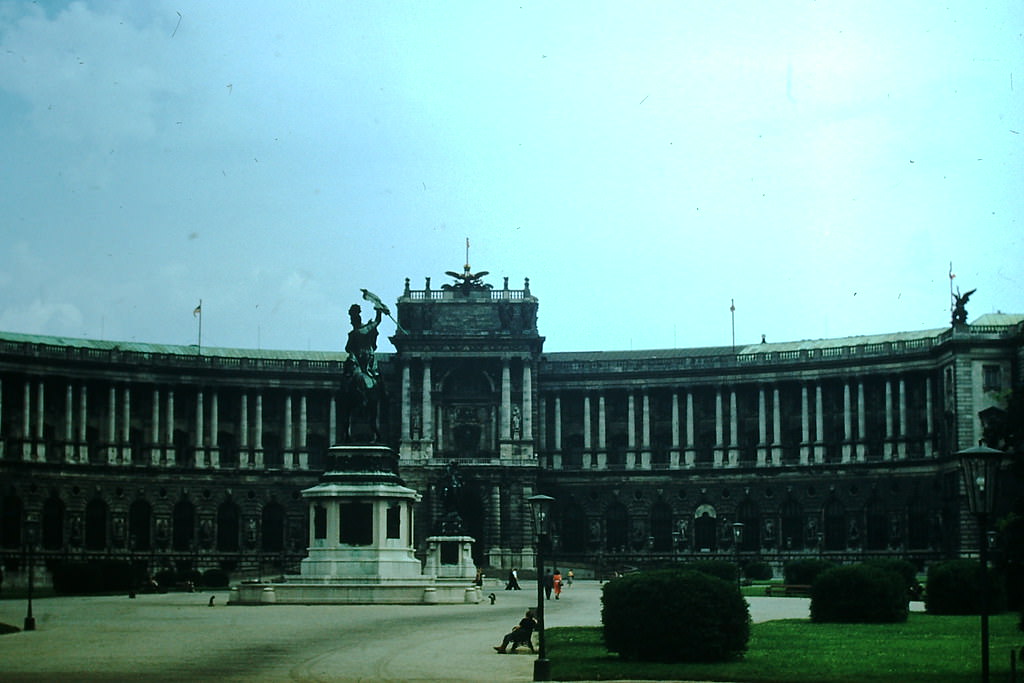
(558, 583)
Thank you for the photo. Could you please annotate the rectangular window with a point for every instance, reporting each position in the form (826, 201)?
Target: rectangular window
(991, 378)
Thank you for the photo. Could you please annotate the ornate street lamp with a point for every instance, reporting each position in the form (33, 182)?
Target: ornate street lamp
(737, 539)
(980, 467)
(540, 505)
(30, 543)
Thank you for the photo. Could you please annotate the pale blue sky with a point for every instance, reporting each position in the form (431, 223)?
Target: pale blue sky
(821, 163)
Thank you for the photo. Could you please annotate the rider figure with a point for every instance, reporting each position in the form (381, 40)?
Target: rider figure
(362, 345)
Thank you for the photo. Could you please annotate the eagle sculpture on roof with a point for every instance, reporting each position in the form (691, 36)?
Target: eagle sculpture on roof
(466, 280)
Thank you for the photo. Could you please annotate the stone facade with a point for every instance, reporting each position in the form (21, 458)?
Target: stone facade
(840, 447)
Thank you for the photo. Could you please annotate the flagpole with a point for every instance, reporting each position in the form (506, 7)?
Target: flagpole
(199, 312)
(732, 312)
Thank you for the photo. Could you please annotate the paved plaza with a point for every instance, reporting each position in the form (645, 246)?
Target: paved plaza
(178, 637)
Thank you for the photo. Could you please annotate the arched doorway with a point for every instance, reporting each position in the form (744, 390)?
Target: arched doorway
(140, 516)
(96, 525)
(184, 526)
(228, 526)
(705, 525)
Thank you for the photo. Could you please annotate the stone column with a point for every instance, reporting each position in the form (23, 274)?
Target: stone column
(200, 428)
(805, 426)
(558, 424)
(901, 443)
(111, 425)
(428, 411)
(126, 425)
(889, 436)
(83, 423)
(819, 425)
(690, 453)
(673, 456)
(303, 433)
(861, 447)
(258, 436)
(719, 428)
(602, 433)
(645, 432)
(495, 550)
(69, 425)
(847, 423)
(734, 430)
(505, 410)
(929, 419)
(406, 407)
(762, 428)
(40, 421)
(154, 434)
(776, 426)
(630, 431)
(288, 457)
(243, 433)
(527, 400)
(588, 446)
(26, 422)
(332, 422)
(171, 456)
(214, 431)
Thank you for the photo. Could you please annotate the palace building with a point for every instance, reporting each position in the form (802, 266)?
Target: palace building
(179, 457)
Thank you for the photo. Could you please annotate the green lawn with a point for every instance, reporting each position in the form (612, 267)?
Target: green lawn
(925, 649)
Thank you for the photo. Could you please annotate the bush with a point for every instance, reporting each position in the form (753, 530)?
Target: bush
(758, 571)
(906, 571)
(674, 615)
(723, 569)
(954, 587)
(859, 593)
(804, 572)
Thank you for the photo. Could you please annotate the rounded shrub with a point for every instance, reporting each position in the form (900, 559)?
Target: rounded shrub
(954, 587)
(905, 569)
(804, 572)
(859, 593)
(674, 615)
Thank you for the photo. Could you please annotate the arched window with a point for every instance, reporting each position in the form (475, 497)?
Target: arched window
(748, 514)
(661, 527)
(53, 523)
(877, 525)
(792, 533)
(228, 526)
(273, 528)
(96, 525)
(184, 531)
(140, 516)
(574, 529)
(705, 525)
(616, 526)
(10, 521)
(835, 526)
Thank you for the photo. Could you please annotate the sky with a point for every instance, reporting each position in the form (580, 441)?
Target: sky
(822, 167)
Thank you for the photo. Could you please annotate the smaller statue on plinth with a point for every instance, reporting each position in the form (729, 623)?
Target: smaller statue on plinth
(960, 307)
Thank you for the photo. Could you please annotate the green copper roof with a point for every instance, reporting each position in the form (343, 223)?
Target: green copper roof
(171, 349)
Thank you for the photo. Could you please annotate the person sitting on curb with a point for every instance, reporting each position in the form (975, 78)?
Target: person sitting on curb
(520, 635)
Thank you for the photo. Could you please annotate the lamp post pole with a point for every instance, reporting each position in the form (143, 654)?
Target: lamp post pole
(540, 505)
(737, 539)
(980, 467)
(30, 534)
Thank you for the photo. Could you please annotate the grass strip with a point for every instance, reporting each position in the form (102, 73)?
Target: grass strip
(925, 649)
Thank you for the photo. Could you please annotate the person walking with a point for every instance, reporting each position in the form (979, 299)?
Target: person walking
(557, 583)
(513, 580)
(569, 577)
(549, 584)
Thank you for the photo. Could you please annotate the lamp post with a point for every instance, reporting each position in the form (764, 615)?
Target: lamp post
(737, 539)
(980, 465)
(30, 542)
(540, 505)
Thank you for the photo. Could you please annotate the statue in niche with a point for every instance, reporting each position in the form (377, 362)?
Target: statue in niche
(517, 422)
(451, 493)
(960, 306)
